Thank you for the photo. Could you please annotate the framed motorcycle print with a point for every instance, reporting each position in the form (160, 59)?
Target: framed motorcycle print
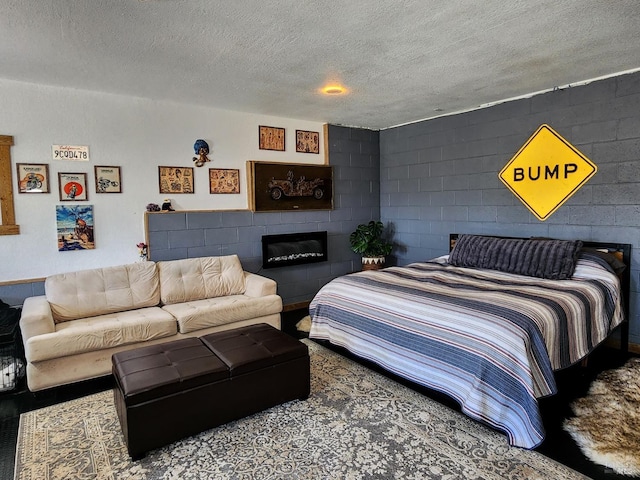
(73, 187)
(108, 179)
(33, 177)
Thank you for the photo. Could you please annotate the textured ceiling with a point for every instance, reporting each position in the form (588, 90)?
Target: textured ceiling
(402, 61)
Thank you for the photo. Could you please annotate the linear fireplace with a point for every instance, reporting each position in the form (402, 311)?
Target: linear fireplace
(293, 249)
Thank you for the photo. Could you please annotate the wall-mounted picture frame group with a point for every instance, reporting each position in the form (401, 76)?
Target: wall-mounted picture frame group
(271, 138)
(289, 186)
(72, 187)
(224, 180)
(307, 142)
(33, 177)
(108, 179)
(176, 179)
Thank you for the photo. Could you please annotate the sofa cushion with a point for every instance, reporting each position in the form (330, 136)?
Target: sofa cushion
(212, 312)
(97, 333)
(199, 278)
(87, 293)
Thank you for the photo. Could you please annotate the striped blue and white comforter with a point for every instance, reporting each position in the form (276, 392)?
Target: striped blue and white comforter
(488, 339)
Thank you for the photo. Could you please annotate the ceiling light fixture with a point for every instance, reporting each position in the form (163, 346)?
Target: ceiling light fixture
(334, 90)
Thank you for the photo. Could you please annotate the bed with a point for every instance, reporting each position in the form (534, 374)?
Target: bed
(487, 324)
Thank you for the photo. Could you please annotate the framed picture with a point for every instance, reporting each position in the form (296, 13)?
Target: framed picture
(271, 138)
(73, 187)
(176, 179)
(289, 186)
(108, 179)
(33, 177)
(224, 180)
(307, 142)
(74, 224)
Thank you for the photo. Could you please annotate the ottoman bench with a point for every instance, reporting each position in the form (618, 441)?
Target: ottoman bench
(173, 390)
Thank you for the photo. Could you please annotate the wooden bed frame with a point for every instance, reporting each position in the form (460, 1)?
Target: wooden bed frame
(623, 252)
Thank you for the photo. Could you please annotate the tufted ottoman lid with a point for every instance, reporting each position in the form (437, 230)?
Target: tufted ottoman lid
(157, 370)
(250, 348)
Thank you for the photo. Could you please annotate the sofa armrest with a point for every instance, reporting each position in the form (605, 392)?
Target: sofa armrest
(259, 286)
(36, 318)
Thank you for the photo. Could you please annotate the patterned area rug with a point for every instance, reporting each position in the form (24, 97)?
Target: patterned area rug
(356, 424)
(606, 425)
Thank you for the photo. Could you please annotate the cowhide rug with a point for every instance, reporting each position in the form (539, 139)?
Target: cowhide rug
(606, 425)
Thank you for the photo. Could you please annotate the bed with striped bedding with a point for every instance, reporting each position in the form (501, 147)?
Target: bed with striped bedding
(489, 339)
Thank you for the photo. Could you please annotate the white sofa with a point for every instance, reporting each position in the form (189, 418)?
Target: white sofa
(71, 332)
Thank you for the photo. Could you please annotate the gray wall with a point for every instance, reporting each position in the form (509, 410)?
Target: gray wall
(15, 294)
(441, 176)
(354, 155)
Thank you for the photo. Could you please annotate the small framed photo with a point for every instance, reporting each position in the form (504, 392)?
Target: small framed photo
(175, 179)
(271, 138)
(224, 180)
(307, 142)
(33, 177)
(108, 179)
(73, 187)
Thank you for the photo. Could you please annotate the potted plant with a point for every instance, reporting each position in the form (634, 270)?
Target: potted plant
(367, 241)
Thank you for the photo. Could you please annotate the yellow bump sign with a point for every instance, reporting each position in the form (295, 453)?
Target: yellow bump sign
(546, 172)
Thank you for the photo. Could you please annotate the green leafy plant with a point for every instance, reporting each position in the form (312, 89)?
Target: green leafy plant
(367, 240)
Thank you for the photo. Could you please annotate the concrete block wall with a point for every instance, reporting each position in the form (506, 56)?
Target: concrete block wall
(15, 293)
(441, 176)
(354, 155)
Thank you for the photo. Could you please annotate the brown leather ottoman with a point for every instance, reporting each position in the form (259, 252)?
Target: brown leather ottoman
(173, 390)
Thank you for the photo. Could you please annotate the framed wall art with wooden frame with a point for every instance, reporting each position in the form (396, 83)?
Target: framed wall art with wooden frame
(307, 142)
(33, 177)
(73, 187)
(271, 138)
(108, 179)
(289, 186)
(175, 179)
(224, 180)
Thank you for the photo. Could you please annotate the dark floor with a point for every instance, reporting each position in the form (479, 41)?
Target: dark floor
(558, 445)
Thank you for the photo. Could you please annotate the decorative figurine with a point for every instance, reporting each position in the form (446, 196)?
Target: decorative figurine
(201, 149)
(153, 207)
(166, 205)
(142, 251)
